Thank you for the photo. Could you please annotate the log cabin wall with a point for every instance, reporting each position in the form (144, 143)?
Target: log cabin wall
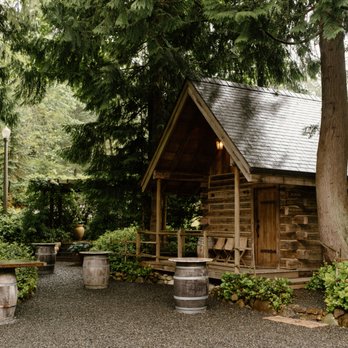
(218, 208)
(217, 198)
(299, 242)
(300, 246)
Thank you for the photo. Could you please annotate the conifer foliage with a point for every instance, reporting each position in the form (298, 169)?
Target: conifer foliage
(297, 23)
(127, 60)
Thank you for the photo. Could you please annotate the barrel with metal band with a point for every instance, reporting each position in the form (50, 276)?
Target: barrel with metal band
(8, 295)
(191, 283)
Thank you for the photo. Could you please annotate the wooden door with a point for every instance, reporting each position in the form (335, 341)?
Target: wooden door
(266, 227)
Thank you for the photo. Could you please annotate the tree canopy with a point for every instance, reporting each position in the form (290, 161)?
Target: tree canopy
(127, 61)
(298, 22)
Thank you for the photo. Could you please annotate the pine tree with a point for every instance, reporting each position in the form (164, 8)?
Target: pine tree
(127, 61)
(296, 23)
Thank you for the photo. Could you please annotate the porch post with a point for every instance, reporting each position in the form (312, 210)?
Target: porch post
(158, 219)
(137, 244)
(179, 242)
(236, 219)
(205, 244)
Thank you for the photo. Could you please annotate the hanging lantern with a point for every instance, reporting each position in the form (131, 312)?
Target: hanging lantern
(219, 145)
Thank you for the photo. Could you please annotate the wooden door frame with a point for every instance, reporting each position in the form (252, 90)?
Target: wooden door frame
(256, 188)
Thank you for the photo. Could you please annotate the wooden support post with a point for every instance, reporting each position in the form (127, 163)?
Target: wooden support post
(236, 219)
(137, 244)
(158, 219)
(205, 244)
(180, 244)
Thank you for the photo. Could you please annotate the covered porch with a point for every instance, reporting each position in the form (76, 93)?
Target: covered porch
(220, 240)
(216, 268)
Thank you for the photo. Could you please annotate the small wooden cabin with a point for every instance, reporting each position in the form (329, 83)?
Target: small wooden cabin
(245, 152)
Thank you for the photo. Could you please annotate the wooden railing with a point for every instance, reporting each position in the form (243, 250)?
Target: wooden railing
(148, 238)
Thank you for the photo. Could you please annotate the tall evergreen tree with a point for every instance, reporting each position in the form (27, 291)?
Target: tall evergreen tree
(297, 23)
(127, 61)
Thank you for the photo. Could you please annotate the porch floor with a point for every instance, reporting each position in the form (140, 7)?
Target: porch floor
(297, 277)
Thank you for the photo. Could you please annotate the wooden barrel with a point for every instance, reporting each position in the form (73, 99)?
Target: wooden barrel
(96, 271)
(46, 253)
(200, 246)
(191, 284)
(8, 297)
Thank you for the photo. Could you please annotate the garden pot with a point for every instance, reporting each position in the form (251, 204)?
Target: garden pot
(79, 231)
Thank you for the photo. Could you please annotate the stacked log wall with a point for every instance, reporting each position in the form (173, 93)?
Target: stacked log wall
(218, 208)
(300, 246)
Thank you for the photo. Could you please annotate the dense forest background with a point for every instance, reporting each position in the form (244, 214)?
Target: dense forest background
(39, 139)
(126, 63)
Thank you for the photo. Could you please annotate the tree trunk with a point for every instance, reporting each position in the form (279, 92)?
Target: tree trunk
(331, 179)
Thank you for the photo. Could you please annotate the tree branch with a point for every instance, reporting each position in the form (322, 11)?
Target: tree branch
(285, 42)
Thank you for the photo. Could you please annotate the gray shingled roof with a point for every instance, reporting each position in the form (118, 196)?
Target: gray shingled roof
(264, 124)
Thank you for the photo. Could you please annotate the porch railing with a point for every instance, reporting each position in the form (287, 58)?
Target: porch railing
(147, 247)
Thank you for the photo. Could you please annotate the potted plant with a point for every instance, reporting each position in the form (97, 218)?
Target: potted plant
(77, 247)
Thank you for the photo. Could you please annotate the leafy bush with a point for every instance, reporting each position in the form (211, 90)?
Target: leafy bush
(120, 242)
(190, 245)
(76, 247)
(131, 269)
(122, 245)
(11, 229)
(317, 280)
(333, 279)
(249, 287)
(26, 277)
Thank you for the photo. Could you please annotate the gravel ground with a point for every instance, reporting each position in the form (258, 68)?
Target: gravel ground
(64, 314)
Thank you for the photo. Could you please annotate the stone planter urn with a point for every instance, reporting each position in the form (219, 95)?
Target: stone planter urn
(79, 231)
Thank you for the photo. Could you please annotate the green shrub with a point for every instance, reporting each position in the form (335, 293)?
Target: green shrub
(11, 229)
(122, 245)
(333, 279)
(317, 280)
(120, 242)
(249, 287)
(26, 277)
(131, 269)
(190, 245)
(76, 247)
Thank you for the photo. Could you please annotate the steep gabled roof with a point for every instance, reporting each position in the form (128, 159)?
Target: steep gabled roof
(262, 129)
(265, 125)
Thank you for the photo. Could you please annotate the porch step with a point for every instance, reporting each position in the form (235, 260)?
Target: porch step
(298, 278)
(299, 283)
(278, 273)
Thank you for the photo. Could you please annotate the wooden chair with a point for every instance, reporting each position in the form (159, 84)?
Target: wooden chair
(243, 247)
(229, 249)
(218, 249)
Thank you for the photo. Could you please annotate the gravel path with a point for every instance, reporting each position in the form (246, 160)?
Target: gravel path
(64, 314)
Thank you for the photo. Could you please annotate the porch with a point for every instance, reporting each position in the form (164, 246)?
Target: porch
(156, 248)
